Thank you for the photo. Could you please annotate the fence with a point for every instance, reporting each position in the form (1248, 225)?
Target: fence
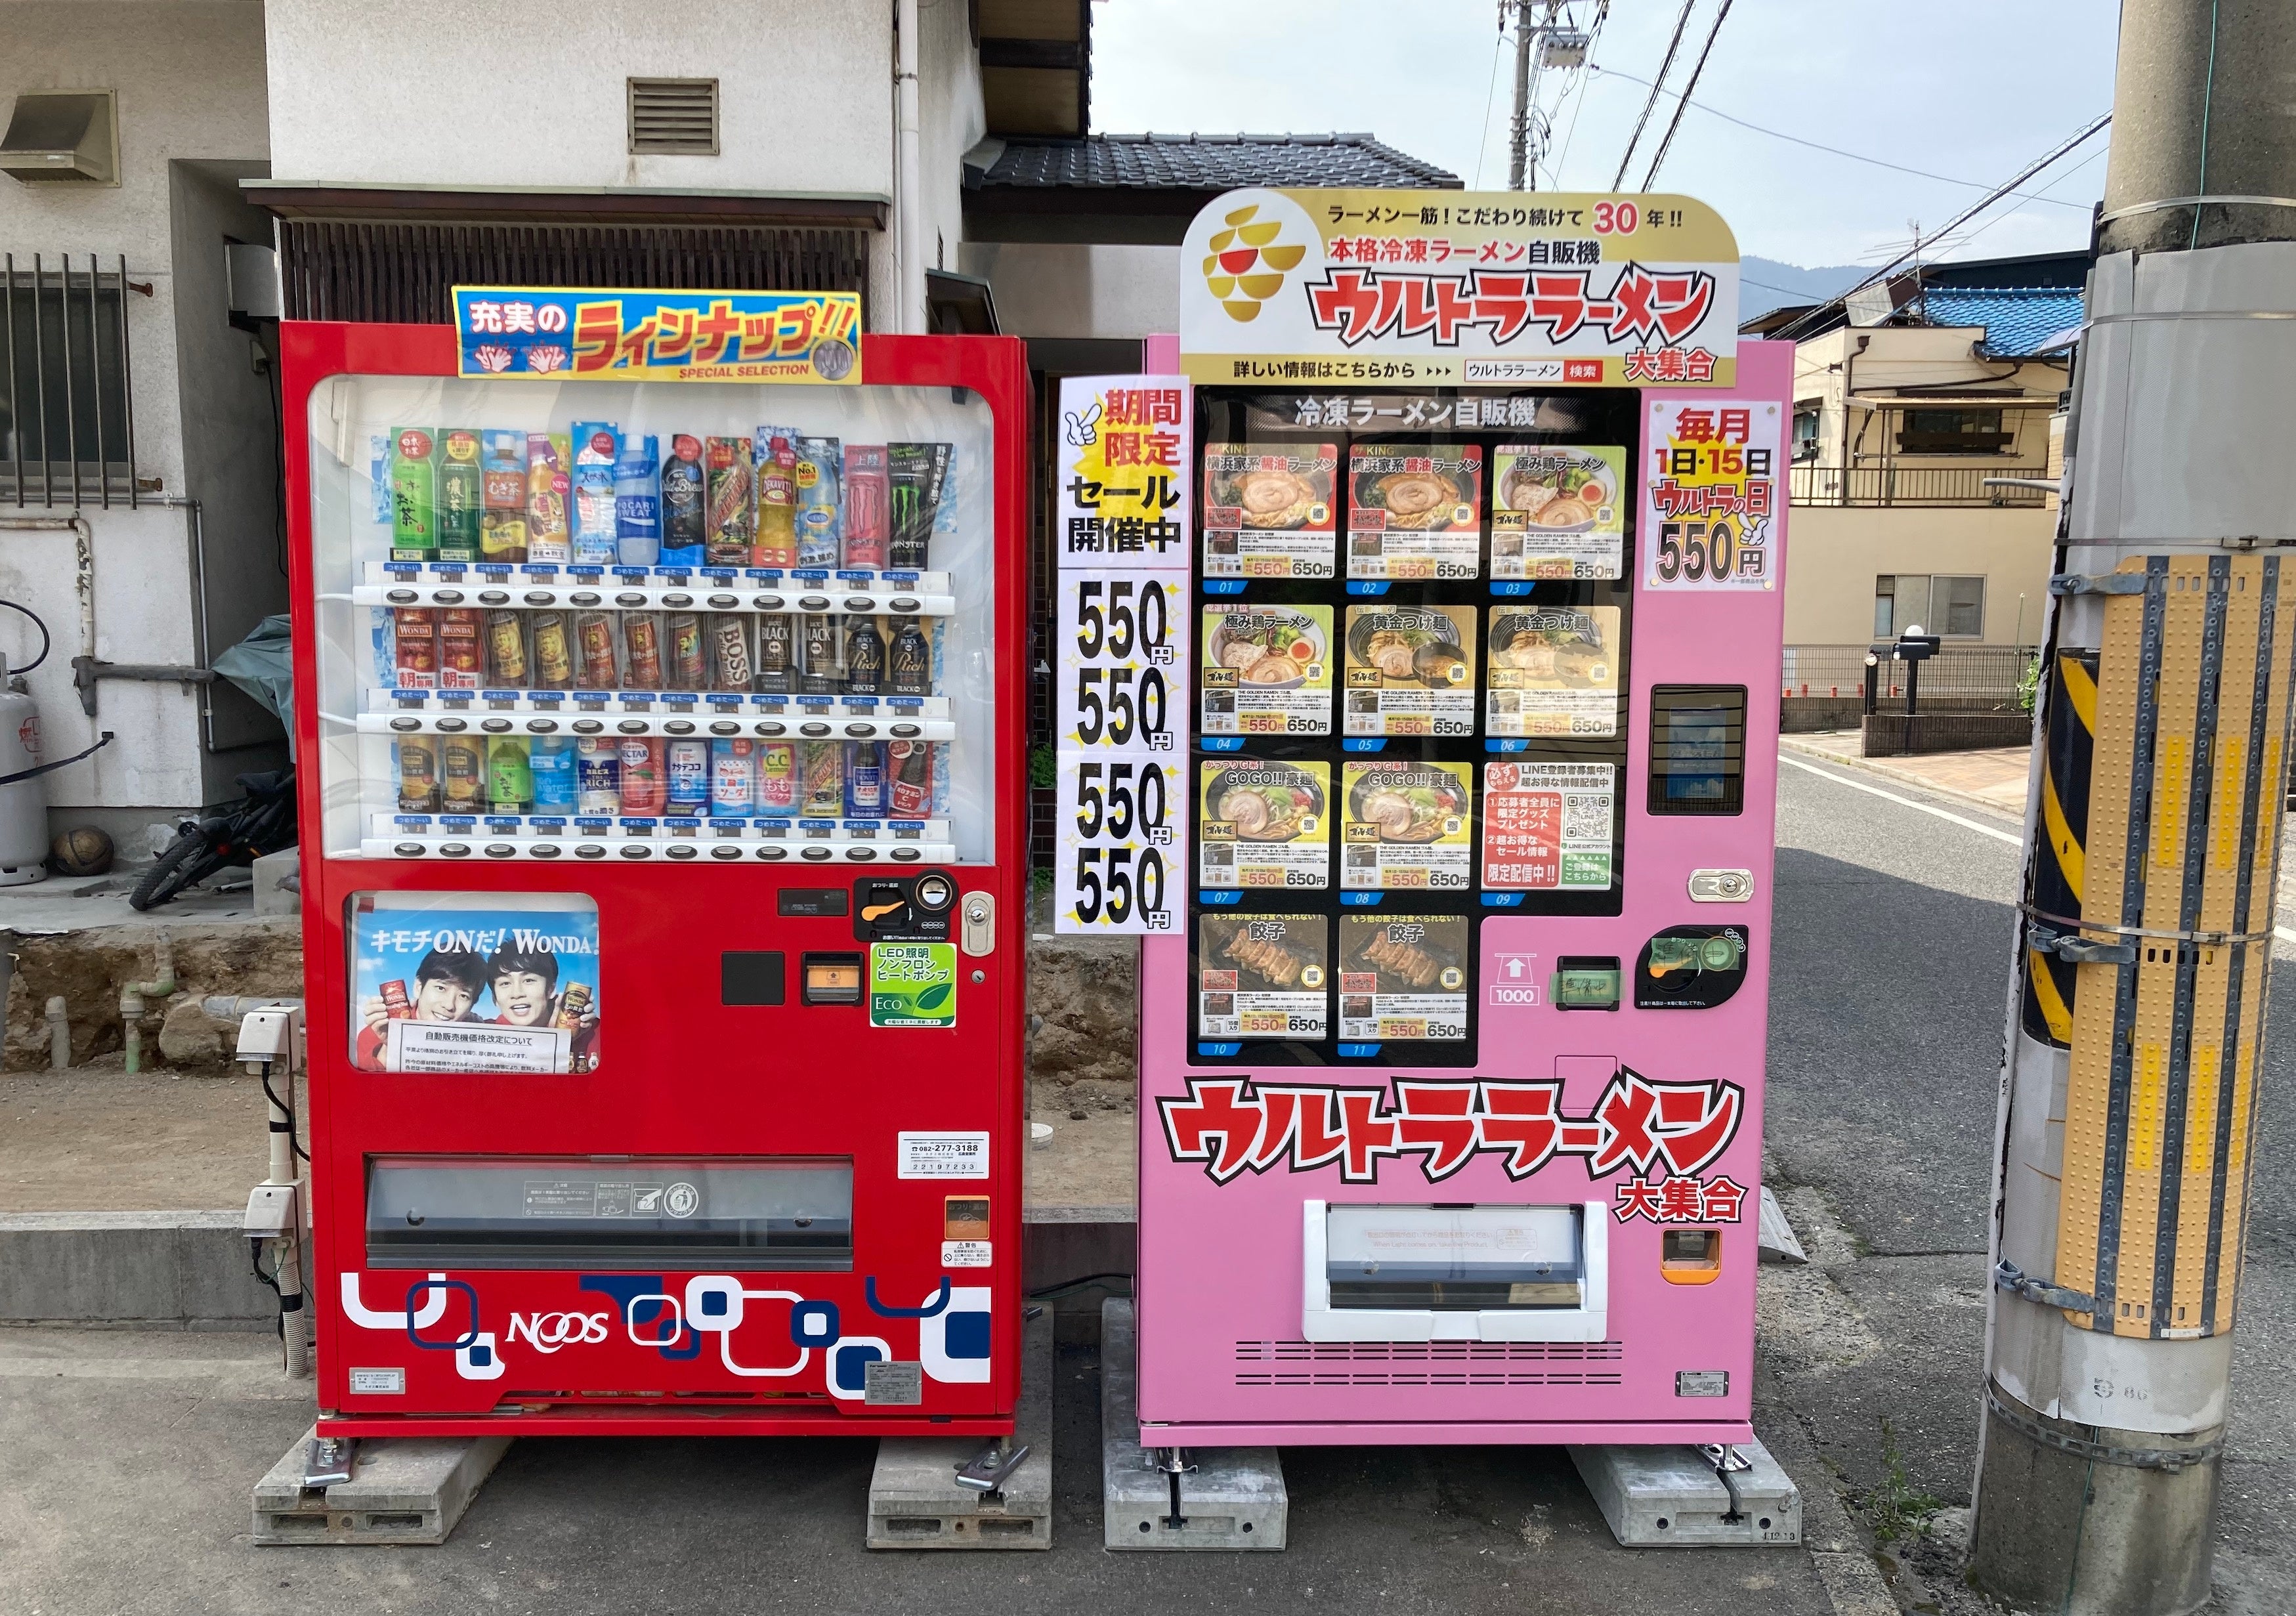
(1912, 484)
(67, 429)
(1959, 678)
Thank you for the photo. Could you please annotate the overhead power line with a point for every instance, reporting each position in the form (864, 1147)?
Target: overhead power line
(1683, 105)
(1856, 157)
(1634, 139)
(1795, 328)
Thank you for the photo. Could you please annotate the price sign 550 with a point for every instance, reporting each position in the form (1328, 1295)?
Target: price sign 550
(1123, 832)
(1123, 640)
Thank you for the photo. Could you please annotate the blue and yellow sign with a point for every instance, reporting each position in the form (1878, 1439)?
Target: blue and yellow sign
(659, 336)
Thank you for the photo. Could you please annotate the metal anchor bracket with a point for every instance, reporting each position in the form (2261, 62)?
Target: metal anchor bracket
(2098, 583)
(327, 1460)
(988, 1470)
(2079, 950)
(1174, 1463)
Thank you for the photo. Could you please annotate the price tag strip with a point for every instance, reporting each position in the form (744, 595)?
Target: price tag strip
(1123, 801)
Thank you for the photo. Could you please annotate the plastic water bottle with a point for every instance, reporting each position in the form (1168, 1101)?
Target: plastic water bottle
(552, 764)
(637, 503)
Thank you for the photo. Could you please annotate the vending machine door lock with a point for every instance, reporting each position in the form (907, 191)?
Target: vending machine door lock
(978, 934)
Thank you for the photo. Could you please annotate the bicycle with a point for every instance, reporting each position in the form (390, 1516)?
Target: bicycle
(261, 822)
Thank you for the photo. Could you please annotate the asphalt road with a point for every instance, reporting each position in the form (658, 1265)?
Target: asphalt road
(1892, 961)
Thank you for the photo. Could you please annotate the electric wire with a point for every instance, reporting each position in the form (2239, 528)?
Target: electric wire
(2208, 100)
(1856, 157)
(1634, 139)
(1579, 105)
(1491, 98)
(1793, 328)
(1683, 105)
(285, 1110)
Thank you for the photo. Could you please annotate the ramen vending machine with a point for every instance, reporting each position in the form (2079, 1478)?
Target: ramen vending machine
(662, 877)
(1452, 1079)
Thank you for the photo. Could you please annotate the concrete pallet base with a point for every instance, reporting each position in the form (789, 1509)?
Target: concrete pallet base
(916, 1503)
(1670, 1498)
(402, 1490)
(1234, 1499)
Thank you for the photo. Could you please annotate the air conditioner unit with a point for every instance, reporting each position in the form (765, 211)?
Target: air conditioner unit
(63, 136)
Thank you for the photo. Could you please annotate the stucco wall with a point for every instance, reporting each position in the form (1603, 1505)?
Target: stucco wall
(1833, 555)
(190, 82)
(529, 92)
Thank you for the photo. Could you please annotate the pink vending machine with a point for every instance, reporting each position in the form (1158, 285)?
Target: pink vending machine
(1452, 1081)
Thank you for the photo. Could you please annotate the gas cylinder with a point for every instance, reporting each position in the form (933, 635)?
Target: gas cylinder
(23, 803)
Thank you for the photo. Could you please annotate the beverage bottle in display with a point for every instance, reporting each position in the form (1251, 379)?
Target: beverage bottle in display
(773, 658)
(462, 496)
(733, 777)
(505, 650)
(414, 637)
(775, 455)
(593, 631)
(817, 647)
(637, 503)
(461, 662)
(597, 775)
(510, 775)
(689, 659)
(731, 517)
(916, 472)
(819, 469)
(865, 658)
(684, 519)
(414, 497)
(642, 788)
(396, 1003)
(777, 778)
(641, 651)
(910, 763)
(418, 774)
(462, 775)
(689, 777)
(729, 644)
(909, 665)
(864, 779)
(596, 445)
(553, 658)
(866, 499)
(549, 484)
(821, 779)
(551, 759)
(502, 525)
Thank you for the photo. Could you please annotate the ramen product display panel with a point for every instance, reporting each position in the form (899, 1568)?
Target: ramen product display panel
(1263, 976)
(1265, 823)
(1554, 670)
(1267, 670)
(1403, 977)
(1411, 670)
(1414, 510)
(1557, 512)
(1406, 826)
(1269, 509)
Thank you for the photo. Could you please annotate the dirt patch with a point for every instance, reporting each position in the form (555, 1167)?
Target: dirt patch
(89, 968)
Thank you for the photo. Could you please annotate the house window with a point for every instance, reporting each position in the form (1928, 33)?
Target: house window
(64, 385)
(1951, 606)
(1805, 432)
(1953, 433)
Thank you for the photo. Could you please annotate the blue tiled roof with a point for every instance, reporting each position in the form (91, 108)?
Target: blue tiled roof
(2018, 320)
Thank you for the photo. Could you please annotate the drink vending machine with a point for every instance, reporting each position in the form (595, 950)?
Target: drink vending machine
(1452, 1069)
(663, 878)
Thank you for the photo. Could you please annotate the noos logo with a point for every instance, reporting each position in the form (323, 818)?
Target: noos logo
(1248, 262)
(548, 1332)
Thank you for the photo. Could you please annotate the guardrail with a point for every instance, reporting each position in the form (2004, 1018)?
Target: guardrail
(1912, 484)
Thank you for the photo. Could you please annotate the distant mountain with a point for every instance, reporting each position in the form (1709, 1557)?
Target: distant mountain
(1766, 283)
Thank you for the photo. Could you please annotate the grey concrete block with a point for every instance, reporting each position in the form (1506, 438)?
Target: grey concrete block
(179, 1268)
(916, 1503)
(1234, 1499)
(1670, 1497)
(408, 1492)
(278, 887)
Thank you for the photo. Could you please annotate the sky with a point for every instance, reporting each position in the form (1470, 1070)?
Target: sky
(1968, 90)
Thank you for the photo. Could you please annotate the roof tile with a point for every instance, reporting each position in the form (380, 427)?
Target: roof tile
(2018, 320)
(1212, 162)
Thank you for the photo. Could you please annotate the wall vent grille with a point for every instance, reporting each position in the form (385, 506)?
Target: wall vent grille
(674, 117)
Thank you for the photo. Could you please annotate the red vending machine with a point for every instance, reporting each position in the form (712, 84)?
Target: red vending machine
(663, 867)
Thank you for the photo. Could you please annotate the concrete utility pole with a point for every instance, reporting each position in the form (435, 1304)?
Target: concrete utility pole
(1519, 147)
(2135, 1026)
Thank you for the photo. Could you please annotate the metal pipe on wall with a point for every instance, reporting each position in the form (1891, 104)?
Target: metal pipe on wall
(909, 227)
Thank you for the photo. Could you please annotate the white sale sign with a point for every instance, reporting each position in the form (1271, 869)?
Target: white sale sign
(1122, 645)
